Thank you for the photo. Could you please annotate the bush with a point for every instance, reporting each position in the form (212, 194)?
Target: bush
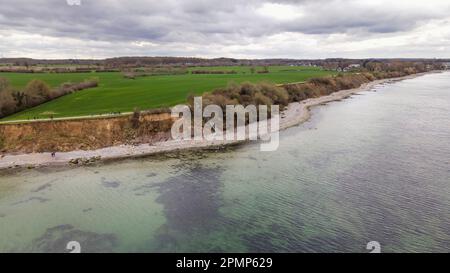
(4, 84)
(246, 94)
(67, 88)
(260, 99)
(38, 90)
(277, 95)
(7, 103)
(324, 86)
(135, 118)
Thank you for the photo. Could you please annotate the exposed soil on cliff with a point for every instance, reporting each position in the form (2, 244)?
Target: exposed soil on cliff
(87, 134)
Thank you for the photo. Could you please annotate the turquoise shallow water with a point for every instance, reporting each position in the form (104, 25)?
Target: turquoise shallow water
(375, 166)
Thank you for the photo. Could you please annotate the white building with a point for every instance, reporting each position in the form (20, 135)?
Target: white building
(351, 67)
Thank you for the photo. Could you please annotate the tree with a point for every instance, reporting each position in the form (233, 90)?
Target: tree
(38, 89)
(19, 98)
(7, 103)
(4, 84)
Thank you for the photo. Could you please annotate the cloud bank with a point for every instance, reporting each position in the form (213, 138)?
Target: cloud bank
(213, 28)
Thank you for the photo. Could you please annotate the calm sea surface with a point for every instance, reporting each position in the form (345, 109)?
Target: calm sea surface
(374, 167)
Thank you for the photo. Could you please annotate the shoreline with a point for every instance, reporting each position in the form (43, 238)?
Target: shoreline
(295, 114)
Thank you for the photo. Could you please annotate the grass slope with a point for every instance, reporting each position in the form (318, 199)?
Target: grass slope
(117, 94)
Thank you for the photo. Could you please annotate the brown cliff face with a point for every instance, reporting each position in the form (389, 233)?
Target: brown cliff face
(85, 134)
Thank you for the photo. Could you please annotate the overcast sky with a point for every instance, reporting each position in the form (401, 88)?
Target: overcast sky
(225, 28)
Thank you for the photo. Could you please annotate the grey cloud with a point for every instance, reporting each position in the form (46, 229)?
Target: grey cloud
(172, 23)
(156, 20)
(347, 16)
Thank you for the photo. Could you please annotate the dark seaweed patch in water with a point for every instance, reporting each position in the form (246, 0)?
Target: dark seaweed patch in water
(43, 187)
(31, 199)
(143, 190)
(55, 240)
(110, 184)
(164, 240)
(191, 200)
(187, 158)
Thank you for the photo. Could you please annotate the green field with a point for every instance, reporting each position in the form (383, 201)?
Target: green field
(117, 94)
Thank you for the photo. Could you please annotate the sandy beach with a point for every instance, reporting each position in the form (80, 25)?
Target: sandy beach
(296, 113)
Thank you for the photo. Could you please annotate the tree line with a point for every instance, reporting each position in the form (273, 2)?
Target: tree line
(34, 93)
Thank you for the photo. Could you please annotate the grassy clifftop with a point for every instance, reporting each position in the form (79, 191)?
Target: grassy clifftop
(118, 94)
